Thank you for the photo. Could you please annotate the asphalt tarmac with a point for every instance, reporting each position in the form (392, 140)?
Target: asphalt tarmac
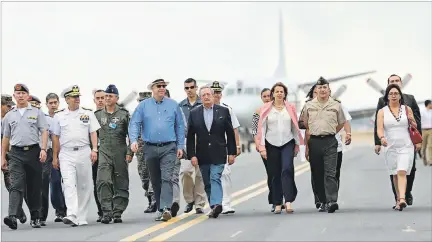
(365, 201)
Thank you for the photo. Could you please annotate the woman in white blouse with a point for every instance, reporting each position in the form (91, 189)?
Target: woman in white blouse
(280, 137)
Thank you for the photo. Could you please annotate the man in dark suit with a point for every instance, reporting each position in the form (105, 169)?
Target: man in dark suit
(207, 126)
(410, 101)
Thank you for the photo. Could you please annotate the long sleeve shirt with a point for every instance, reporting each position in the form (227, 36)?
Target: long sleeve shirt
(160, 122)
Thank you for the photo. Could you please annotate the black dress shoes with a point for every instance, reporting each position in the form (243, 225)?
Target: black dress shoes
(409, 199)
(174, 209)
(332, 207)
(35, 223)
(11, 222)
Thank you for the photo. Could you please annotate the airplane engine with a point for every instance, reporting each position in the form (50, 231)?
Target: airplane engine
(128, 99)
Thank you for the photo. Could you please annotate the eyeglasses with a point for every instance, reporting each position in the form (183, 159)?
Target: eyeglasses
(161, 86)
(187, 88)
(393, 94)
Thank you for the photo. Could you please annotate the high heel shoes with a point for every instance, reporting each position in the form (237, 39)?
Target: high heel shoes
(402, 204)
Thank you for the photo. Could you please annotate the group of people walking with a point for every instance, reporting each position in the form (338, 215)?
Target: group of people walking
(76, 151)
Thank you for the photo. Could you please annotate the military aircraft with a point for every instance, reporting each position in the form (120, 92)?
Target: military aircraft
(244, 95)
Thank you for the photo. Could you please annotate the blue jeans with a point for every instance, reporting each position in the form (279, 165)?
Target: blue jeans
(211, 174)
(57, 197)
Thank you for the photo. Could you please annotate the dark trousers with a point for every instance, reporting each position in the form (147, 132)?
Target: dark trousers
(7, 181)
(410, 182)
(269, 181)
(26, 177)
(281, 167)
(95, 192)
(323, 159)
(46, 177)
(57, 196)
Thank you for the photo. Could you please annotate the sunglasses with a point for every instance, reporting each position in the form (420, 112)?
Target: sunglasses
(187, 88)
(161, 86)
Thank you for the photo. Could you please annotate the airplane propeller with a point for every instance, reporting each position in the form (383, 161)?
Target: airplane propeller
(405, 80)
(339, 91)
(128, 99)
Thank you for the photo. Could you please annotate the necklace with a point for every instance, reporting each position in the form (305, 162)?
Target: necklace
(397, 116)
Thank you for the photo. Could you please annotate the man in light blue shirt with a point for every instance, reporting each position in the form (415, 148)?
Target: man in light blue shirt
(161, 122)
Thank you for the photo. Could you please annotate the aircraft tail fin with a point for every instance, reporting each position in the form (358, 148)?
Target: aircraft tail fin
(280, 71)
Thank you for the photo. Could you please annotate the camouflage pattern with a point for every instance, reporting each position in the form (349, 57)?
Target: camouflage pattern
(143, 170)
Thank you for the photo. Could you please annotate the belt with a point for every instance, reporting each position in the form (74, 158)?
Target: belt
(159, 144)
(322, 136)
(25, 148)
(76, 148)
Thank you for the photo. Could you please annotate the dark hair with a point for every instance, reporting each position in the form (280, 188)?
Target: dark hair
(190, 80)
(386, 95)
(52, 95)
(264, 90)
(392, 75)
(279, 84)
(427, 102)
(311, 91)
(167, 93)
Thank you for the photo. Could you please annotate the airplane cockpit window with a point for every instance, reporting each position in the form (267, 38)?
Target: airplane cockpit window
(249, 90)
(230, 91)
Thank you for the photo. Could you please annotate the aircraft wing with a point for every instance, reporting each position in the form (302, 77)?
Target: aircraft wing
(370, 112)
(307, 86)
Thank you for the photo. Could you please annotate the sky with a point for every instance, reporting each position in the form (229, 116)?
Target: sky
(52, 45)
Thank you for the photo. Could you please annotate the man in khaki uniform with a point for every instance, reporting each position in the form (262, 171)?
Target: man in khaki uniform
(324, 118)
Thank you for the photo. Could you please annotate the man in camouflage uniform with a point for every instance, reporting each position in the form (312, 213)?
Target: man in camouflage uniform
(7, 105)
(142, 166)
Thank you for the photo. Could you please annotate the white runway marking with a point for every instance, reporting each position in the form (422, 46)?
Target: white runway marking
(236, 233)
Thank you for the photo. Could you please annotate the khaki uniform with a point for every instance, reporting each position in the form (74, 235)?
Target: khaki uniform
(322, 120)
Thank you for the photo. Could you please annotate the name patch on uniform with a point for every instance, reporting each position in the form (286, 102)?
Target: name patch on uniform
(32, 117)
(115, 120)
(84, 118)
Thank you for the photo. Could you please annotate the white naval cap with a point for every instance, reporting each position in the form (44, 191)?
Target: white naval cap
(71, 91)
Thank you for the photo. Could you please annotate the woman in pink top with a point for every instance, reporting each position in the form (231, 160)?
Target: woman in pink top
(280, 137)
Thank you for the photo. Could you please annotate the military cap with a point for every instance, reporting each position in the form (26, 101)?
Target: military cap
(72, 91)
(112, 89)
(144, 95)
(33, 98)
(216, 86)
(155, 82)
(322, 81)
(21, 88)
(7, 100)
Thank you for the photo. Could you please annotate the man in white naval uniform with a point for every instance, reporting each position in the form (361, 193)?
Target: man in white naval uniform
(71, 151)
(226, 174)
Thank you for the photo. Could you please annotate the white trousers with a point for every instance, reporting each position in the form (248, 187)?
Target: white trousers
(76, 171)
(226, 187)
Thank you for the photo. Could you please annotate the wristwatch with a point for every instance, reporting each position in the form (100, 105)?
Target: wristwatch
(95, 150)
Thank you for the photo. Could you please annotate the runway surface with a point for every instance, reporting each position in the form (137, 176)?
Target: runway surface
(365, 214)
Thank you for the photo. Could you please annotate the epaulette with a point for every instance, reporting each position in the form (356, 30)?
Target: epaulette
(46, 114)
(124, 109)
(61, 110)
(34, 105)
(98, 110)
(88, 109)
(337, 100)
(226, 105)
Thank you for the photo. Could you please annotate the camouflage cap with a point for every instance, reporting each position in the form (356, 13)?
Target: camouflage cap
(7, 100)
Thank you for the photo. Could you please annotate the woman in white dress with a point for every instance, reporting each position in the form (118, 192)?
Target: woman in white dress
(392, 122)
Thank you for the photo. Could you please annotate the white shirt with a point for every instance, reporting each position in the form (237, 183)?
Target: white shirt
(338, 135)
(278, 128)
(426, 118)
(234, 120)
(74, 127)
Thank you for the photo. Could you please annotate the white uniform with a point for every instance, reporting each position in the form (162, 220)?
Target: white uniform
(73, 128)
(338, 135)
(226, 174)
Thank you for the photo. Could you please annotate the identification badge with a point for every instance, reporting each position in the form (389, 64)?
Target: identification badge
(113, 125)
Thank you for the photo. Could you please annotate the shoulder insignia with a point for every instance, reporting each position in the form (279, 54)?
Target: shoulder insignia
(226, 105)
(337, 100)
(61, 110)
(88, 109)
(34, 105)
(124, 109)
